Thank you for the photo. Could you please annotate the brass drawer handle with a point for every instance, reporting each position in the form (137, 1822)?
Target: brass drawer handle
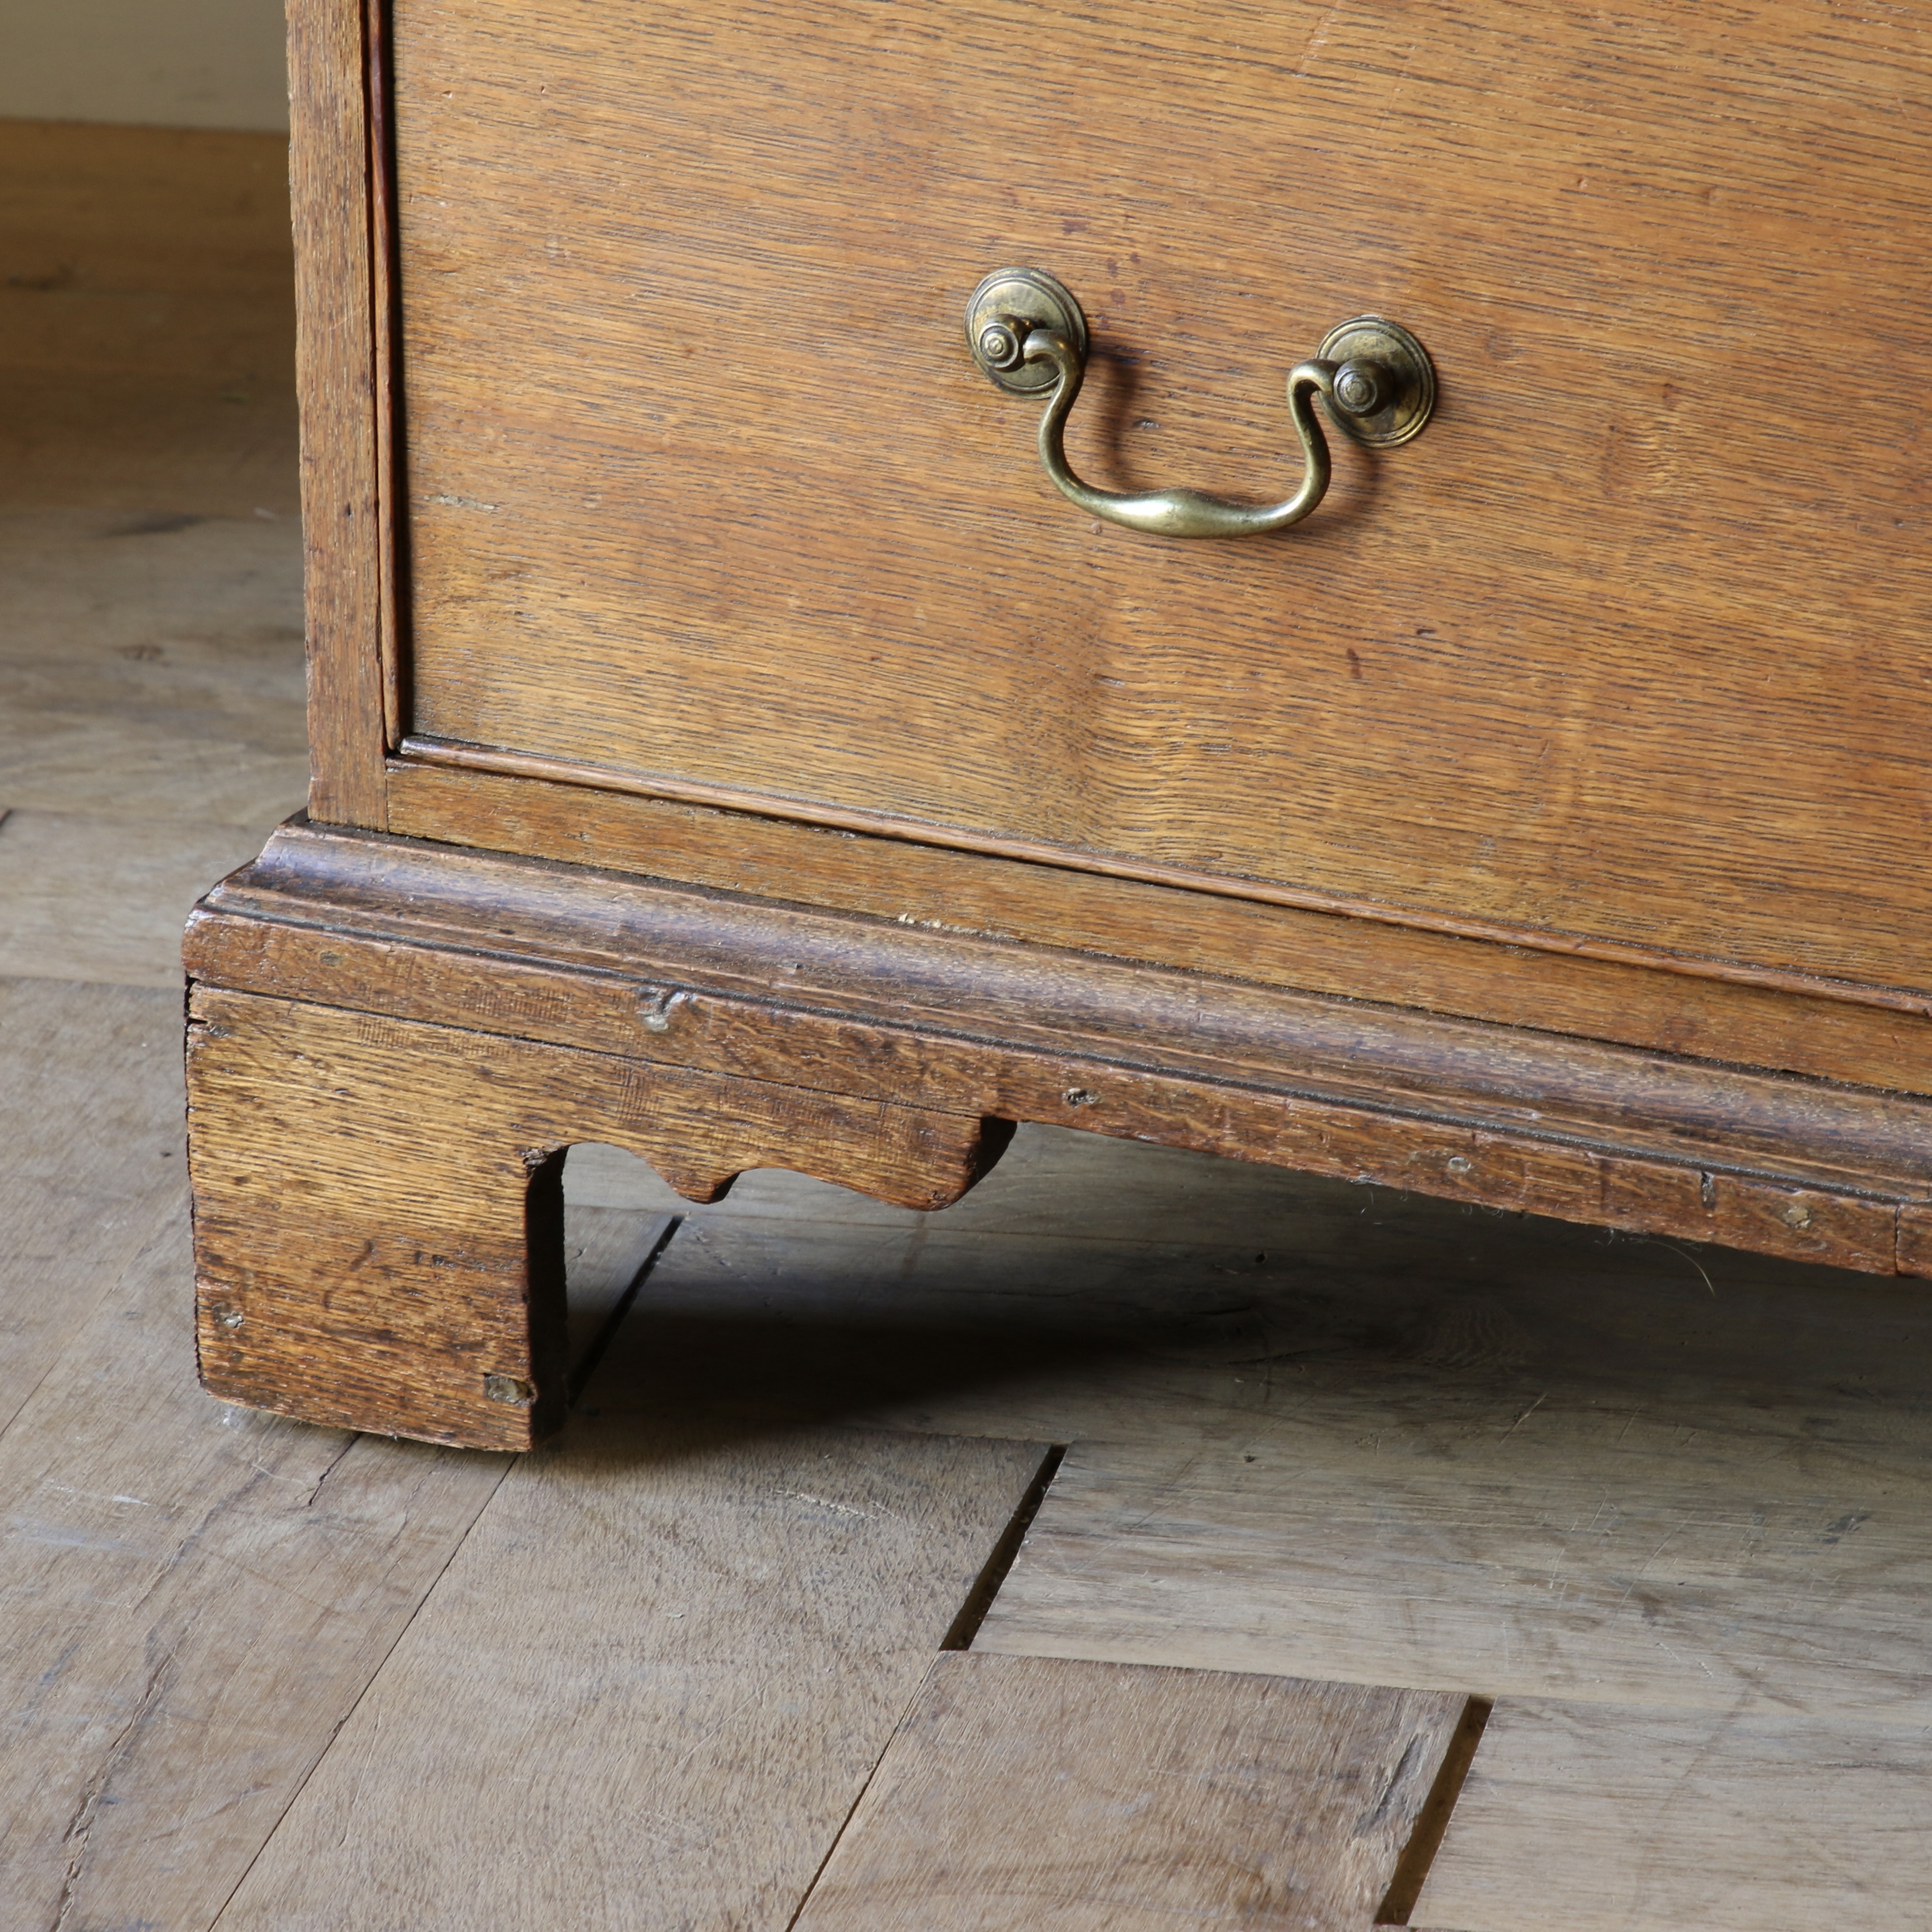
(1026, 331)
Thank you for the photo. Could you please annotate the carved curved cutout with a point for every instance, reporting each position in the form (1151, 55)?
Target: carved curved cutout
(939, 1167)
(911, 1157)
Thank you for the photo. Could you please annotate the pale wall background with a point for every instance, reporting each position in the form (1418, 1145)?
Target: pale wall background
(161, 63)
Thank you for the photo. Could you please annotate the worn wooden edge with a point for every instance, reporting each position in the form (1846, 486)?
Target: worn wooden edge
(817, 1003)
(566, 772)
(342, 499)
(1827, 1038)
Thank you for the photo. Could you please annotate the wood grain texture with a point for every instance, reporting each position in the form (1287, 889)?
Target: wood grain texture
(1099, 1798)
(796, 998)
(1599, 1819)
(379, 1210)
(384, 312)
(342, 494)
(1598, 655)
(415, 754)
(1836, 1030)
(1578, 1548)
(192, 1599)
(665, 1721)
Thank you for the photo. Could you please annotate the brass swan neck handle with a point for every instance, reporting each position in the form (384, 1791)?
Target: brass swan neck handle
(1182, 513)
(1027, 332)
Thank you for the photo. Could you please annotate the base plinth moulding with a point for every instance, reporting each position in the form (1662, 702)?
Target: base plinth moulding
(392, 1044)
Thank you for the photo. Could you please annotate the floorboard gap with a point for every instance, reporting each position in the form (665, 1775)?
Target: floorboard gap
(986, 1585)
(1419, 1854)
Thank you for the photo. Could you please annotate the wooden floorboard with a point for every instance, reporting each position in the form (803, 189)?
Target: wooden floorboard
(1748, 1561)
(152, 666)
(192, 1599)
(649, 1690)
(151, 663)
(150, 729)
(1115, 1294)
(606, 1251)
(90, 1108)
(89, 900)
(1340, 1435)
(1024, 1792)
(1622, 1819)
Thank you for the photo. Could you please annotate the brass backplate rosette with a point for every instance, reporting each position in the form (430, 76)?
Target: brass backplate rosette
(1373, 338)
(1036, 299)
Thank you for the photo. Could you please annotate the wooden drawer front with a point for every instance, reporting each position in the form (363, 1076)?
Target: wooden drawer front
(1632, 644)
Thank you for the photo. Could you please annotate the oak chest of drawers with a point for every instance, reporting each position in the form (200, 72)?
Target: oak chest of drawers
(741, 734)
